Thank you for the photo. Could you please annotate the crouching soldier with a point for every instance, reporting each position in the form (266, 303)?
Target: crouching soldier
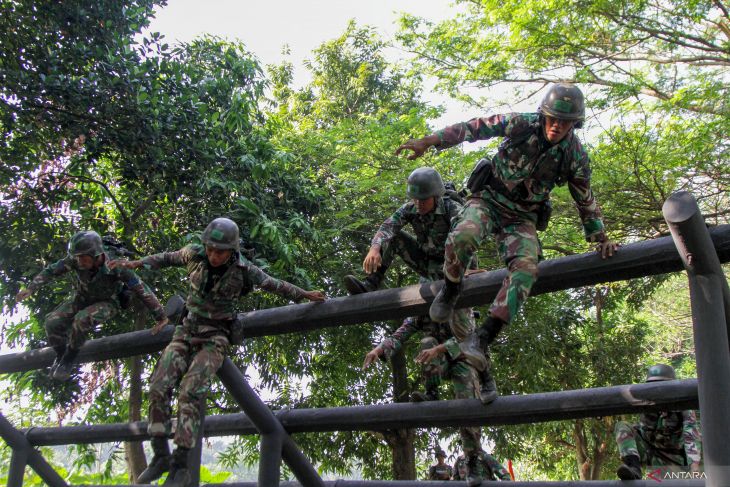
(218, 274)
(430, 214)
(96, 298)
(663, 438)
(459, 361)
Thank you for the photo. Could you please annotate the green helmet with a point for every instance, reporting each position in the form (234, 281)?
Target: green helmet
(565, 102)
(424, 183)
(221, 233)
(86, 242)
(660, 372)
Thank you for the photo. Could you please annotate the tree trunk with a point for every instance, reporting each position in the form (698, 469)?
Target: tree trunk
(134, 450)
(402, 441)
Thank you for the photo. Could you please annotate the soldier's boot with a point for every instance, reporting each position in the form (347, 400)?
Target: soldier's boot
(630, 469)
(66, 366)
(60, 351)
(445, 301)
(474, 470)
(369, 284)
(488, 392)
(179, 475)
(431, 394)
(160, 461)
(488, 332)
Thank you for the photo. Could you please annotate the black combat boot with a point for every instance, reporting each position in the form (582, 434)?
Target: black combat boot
(445, 301)
(60, 351)
(489, 331)
(66, 366)
(160, 461)
(630, 469)
(474, 470)
(369, 284)
(179, 475)
(488, 392)
(431, 394)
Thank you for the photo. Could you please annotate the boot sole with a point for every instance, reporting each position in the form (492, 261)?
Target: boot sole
(626, 473)
(353, 287)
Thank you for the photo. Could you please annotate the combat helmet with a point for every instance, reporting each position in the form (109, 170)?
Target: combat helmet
(564, 101)
(424, 183)
(660, 372)
(86, 242)
(222, 233)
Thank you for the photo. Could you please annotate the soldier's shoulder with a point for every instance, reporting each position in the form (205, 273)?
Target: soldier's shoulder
(520, 124)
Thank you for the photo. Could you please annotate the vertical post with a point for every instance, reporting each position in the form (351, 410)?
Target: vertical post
(18, 461)
(196, 452)
(708, 298)
(270, 462)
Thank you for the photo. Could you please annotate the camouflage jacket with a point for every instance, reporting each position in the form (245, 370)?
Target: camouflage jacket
(238, 280)
(430, 230)
(494, 469)
(440, 472)
(527, 167)
(674, 431)
(440, 331)
(103, 285)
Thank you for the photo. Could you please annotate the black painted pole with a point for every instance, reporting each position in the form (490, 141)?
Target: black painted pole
(17, 441)
(267, 423)
(443, 483)
(18, 462)
(270, 462)
(712, 351)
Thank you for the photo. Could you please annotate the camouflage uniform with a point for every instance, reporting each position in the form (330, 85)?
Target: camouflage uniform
(201, 343)
(661, 438)
(460, 367)
(526, 168)
(95, 299)
(494, 470)
(440, 472)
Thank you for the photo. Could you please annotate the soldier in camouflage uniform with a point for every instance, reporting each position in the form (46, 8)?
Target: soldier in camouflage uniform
(443, 356)
(662, 438)
(494, 470)
(219, 274)
(430, 214)
(510, 197)
(442, 470)
(97, 289)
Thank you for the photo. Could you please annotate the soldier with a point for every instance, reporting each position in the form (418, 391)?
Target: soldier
(442, 470)
(510, 197)
(494, 470)
(430, 214)
(95, 299)
(660, 438)
(218, 274)
(452, 359)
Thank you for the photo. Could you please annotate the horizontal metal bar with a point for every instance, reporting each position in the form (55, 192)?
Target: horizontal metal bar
(442, 483)
(517, 409)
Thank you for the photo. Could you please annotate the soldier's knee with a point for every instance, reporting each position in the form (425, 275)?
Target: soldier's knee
(622, 428)
(526, 267)
(428, 342)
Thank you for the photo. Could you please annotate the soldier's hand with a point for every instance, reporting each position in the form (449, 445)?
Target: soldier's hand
(22, 295)
(371, 357)
(418, 146)
(429, 354)
(373, 260)
(125, 264)
(694, 467)
(159, 325)
(607, 248)
(315, 295)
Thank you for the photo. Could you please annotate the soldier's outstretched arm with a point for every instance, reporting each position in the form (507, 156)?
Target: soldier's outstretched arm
(418, 146)
(281, 287)
(46, 275)
(372, 356)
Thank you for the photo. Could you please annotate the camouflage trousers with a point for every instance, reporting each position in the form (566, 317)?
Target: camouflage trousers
(518, 247)
(68, 324)
(190, 362)
(465, 382)
(416, 257)
(630, 440)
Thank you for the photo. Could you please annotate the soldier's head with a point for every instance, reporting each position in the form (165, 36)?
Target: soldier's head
(87, 249)
(424, 186)
(562, 109)
(660, 372)
(439, 455)
(221, 241)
